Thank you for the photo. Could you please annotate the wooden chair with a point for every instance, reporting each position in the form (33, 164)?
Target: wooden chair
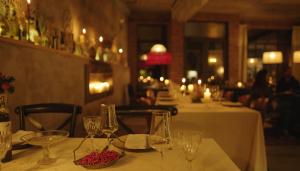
(24, 112)
(144, 112)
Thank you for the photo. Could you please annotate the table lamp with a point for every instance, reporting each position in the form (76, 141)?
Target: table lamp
(272, 58)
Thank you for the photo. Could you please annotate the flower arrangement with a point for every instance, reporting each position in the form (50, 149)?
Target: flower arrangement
(6, 83)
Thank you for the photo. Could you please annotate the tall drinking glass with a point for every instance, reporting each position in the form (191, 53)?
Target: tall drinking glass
(92, 125)
(160, 134)
(191, 143)
(5, 145)
(108, 120)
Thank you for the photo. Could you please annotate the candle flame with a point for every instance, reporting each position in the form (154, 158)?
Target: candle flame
(84, 31)
(100, 39)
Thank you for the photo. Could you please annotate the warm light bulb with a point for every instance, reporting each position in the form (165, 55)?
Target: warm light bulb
(199, 81)
(161, 79)
(84, 31)
(167, 82)
(28, 1)
(272, 55)
(212, 60)
(120, 50)
(190, 88)
(182, 88)
(141, 78)
(100, 39)
(158, 48)
(239, 84)
(183, 80)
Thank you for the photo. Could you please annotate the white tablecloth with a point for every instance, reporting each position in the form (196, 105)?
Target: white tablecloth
(211, 157)
(238, 130)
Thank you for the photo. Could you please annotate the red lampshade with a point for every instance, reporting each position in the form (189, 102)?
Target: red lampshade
(154, 58)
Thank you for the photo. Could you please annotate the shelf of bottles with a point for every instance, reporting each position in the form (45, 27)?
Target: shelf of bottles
(20, 20)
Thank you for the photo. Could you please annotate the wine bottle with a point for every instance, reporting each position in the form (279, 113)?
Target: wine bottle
(5, 123)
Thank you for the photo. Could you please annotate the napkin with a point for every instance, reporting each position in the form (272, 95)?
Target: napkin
(16, 137)
(136, 141)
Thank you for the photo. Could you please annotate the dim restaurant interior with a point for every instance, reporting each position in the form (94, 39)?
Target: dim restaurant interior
(150, 85)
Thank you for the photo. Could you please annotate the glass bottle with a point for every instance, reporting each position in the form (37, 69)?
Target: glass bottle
(5, 123)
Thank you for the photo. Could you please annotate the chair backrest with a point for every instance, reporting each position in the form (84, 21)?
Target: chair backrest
(145, 112)
(244, 99)
(25, 110)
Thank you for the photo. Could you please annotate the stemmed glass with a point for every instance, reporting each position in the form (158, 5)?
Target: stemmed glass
(214, 92)
(92, 125)
(45, 139)
(5, 145)
(108, 120)
(191, 143)
(160, 135)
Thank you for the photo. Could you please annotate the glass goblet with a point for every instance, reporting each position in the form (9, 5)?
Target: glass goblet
(45, 139)
(191, 143)
(160, 135)
(108, 120)
(92, 125)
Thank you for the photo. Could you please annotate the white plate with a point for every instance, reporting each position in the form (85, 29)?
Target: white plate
(120, 143)
(165, 99)
(232, 104)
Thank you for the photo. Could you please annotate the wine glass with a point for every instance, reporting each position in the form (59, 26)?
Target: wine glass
(5, 145)
(191, 143)
(214, 92)
(177, 138)
(108, 120)
(160, 135)
(92, 125)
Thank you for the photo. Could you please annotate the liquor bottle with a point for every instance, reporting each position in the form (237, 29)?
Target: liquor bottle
(5, 123)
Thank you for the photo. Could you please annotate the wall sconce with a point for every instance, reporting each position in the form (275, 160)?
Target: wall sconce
(272, 57)
(212, 60)
(296, 57)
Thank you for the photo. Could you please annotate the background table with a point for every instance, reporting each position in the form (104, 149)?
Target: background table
(238, 130)
(210, 156)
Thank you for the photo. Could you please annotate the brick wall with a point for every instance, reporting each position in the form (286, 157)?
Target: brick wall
(176, 48)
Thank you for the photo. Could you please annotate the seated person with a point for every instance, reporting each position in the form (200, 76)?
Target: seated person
(261, 87)
(261, 92)
(288, 82)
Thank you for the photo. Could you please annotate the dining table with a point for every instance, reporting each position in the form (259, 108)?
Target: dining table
(210, 157)
(237, 129)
